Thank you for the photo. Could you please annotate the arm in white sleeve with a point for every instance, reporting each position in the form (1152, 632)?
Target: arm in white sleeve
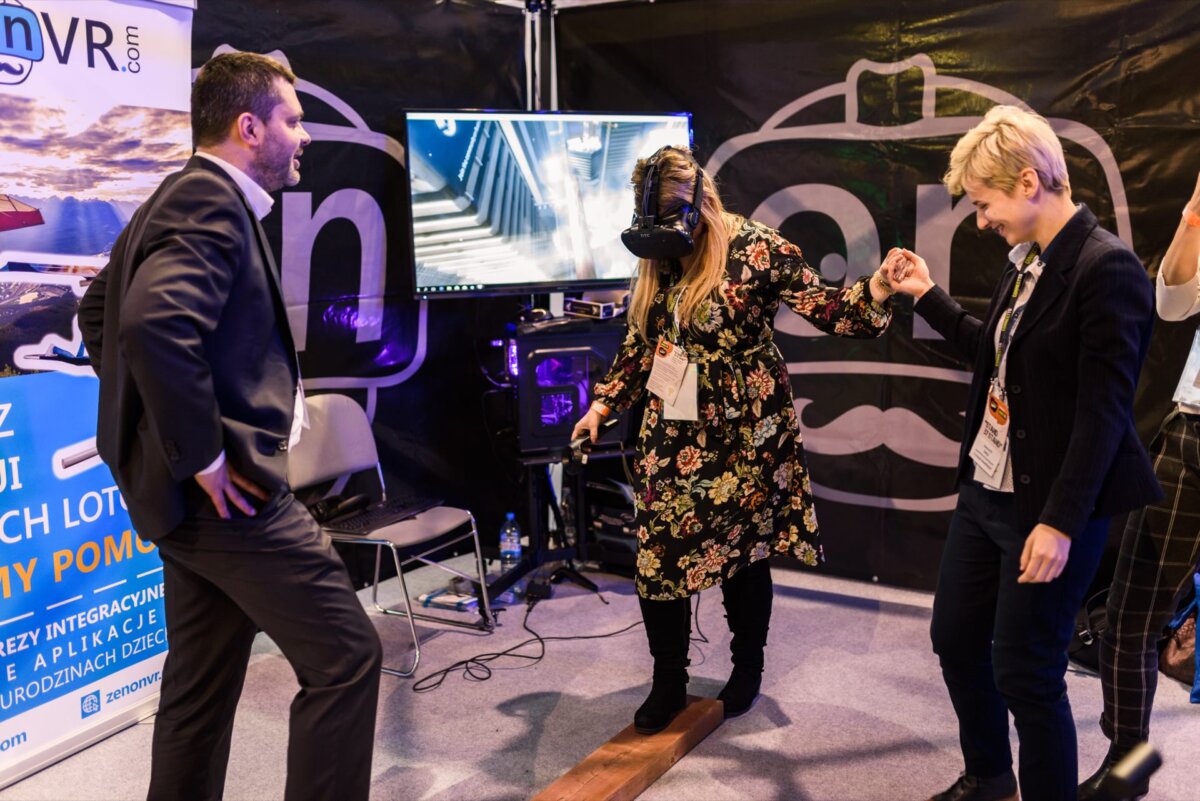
(1177, 302)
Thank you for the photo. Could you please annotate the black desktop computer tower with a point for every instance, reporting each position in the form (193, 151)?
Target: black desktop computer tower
(557, 363)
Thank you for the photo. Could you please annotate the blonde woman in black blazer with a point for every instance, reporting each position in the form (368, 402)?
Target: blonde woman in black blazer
(1049, 452)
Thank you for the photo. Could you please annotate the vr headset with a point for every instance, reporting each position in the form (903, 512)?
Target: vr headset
(660, 238)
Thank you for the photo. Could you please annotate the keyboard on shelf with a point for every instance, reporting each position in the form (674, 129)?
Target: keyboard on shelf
(382, 514)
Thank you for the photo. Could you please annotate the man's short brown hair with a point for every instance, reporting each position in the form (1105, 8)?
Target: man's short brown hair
(230, 85)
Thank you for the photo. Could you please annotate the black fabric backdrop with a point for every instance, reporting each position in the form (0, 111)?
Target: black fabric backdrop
(1125, 70)
(378, 58)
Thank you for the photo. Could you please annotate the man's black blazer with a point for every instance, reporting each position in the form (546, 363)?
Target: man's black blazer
(187, 331)
(1072, 368)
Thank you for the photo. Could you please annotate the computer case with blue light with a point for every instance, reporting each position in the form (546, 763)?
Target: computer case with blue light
(557, 365)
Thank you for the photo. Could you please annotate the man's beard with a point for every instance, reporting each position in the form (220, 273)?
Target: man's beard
(273, 167)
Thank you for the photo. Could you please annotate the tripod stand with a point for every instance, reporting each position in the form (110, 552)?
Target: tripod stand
(543, 503)
(571, 521)
(567, 571)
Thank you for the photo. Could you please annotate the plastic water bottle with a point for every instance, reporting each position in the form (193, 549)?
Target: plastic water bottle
(510, 548)
(510, 542)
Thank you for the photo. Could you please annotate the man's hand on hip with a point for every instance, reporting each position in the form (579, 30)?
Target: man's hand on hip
(222, 486)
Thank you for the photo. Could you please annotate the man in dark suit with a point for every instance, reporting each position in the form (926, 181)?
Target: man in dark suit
(199, 404)
(1049, 455)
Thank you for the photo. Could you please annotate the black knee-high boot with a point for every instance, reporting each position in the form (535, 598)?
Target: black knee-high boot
(747, 597)
(668, 629)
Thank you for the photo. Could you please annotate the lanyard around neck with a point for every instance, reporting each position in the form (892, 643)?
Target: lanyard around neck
(1011, 311)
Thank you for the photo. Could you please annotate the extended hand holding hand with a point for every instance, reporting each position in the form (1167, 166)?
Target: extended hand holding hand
(908, 272)
(1179, 262)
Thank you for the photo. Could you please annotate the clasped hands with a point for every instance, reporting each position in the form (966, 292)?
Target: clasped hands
(906, 272)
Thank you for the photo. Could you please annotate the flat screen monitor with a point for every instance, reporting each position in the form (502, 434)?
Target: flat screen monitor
(526, 202)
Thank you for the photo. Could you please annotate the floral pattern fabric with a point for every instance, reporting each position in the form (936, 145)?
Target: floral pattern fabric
(731, 488)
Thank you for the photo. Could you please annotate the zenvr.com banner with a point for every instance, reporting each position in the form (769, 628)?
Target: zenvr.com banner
(93, 114)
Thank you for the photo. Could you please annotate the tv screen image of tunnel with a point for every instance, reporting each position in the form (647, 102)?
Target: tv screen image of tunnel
(504, 200)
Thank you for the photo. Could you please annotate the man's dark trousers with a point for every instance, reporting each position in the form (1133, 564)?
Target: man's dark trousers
(225, 580)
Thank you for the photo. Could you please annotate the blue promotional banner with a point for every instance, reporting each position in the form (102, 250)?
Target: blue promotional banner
(81, 594)
(93, 114)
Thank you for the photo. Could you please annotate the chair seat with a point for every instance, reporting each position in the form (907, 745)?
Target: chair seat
(425, 527)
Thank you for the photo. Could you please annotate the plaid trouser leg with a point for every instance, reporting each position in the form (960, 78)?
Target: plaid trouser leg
(1158, 556)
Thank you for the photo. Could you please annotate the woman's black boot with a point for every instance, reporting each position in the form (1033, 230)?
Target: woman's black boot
(747, 597)
(668, 629)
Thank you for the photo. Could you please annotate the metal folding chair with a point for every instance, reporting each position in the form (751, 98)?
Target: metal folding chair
(339, 443)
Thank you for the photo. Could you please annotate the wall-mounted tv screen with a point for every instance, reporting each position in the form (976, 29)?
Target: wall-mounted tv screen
(526, 202)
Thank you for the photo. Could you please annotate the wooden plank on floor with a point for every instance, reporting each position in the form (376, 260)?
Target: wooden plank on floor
(627, 764)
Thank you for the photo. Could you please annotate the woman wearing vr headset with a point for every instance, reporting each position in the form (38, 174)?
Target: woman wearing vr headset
(723, 483)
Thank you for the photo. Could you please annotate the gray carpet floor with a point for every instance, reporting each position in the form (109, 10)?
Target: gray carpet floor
(853, 709)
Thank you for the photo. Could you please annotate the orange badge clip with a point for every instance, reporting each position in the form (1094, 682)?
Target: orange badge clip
(998, 410)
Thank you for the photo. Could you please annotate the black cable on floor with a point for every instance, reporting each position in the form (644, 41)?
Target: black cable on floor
(700, 636)
(476, 668)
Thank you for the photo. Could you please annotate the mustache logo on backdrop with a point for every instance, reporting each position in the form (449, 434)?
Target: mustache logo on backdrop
(827, 160)
(20, 42)
(335, 234)
(864, 428)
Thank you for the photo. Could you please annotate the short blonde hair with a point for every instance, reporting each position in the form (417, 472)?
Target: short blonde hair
(995, 151)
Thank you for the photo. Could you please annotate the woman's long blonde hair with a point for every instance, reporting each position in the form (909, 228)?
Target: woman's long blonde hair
(704, 269)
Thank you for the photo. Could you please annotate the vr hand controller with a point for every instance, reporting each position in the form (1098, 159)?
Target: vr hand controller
(331, 508)
(579, 448)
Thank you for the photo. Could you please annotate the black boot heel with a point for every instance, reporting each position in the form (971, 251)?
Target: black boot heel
(747, 597)
(668, 697)
(741, 691)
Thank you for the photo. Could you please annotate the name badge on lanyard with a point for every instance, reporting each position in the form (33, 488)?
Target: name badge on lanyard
(686, 405)
(990, 449)
(673, 379)
(670, 368)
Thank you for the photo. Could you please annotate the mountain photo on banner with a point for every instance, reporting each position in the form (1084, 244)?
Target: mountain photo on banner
(84, 171)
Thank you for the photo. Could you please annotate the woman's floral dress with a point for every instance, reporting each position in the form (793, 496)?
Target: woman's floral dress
(731, 488)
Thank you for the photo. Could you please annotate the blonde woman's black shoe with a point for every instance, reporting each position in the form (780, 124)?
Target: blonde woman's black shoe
(668, 697)
(668, 628)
